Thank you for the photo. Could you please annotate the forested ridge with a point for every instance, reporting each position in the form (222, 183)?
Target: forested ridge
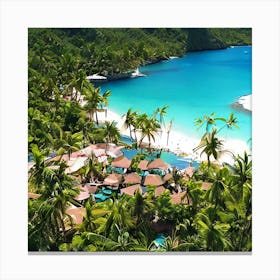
(114, 50)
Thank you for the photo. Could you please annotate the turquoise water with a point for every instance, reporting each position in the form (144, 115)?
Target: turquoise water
(197, 84)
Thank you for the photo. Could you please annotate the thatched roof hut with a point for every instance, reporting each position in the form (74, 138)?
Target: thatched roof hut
(132, 189)
(121, 162)
(153, 180)
(158, 164)
(132, 178)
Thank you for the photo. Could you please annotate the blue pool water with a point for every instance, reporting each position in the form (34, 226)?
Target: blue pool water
(197, 84)
(174, 160)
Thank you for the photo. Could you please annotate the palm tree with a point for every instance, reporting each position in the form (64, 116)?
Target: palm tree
(129, 120)
(70, 143)
(39, 172)
(119, 215)
(49, 219)
(142, 207)
(111, 132)
(149, 128)
(208, 120)
(168, 130)
(219, 192)
(229, 123)
(242, 175)
(211, 146)
(105, 101)
(94, 100)
(212, 230)
(162, 112)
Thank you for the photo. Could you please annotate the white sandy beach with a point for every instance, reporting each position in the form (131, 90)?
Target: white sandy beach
(245, 101)
(180, 143)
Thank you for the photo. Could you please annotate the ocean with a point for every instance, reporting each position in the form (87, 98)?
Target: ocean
(192, 86)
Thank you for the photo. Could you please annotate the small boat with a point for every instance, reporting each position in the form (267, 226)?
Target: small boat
(96, 78)
(137, 73)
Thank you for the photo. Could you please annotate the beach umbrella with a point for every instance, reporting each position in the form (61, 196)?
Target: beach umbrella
(159, 190)
(77, 214)
(33, 195)
(158, 164)
(113, 179)
(177, 198)
(143, 165)
(206, 186)
(132, 189)
(132, 178)
(167, 177)
(121, 162)
(153, 180)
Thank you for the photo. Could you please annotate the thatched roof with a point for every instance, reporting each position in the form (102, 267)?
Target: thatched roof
(91, 189)
(113, 179)
(59, 157)
(84, 194)
(77, 214)
(158, 164)
(121, 162)
(159, 190)
(33, 195)
(132, 178)
(132, 189)
(177, 198)
(153, 180)
(206, 186)
(143, 165)
(167, 177)
(188, 171)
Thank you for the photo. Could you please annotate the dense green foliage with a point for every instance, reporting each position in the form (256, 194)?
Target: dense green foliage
(233, 36)
(114, 50)
(217, 219)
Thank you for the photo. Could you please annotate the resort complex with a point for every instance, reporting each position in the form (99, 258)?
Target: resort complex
(109, 173)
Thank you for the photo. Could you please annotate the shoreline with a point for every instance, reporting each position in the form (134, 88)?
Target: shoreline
(180, 143)
(243, 103)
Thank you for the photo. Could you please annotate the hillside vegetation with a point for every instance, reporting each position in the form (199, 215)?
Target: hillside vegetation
(115, 50)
